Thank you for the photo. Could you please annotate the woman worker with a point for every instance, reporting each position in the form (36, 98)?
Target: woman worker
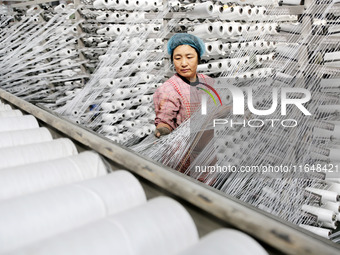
(177, 98)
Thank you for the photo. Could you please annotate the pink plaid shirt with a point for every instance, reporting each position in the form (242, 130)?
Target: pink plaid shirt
(175, 100)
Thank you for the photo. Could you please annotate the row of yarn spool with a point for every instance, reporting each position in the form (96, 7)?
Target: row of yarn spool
(129, 72)
(325, 151)
(56, 201)
(317, 215)
(40, 58)
(232, 43)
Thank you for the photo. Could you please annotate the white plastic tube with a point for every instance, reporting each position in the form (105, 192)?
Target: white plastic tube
(32, 153)
(201, 10)
(44, 214)
(319, 231)
(22, 180)
(21, 137)
(326, 195)
(18, 123)
(323, 215)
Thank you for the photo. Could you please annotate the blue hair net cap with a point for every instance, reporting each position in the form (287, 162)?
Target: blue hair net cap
(186, 39)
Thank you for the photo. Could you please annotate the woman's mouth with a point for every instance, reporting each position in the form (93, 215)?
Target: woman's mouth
(185, 70)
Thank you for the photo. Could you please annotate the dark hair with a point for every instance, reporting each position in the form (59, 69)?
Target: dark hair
(198, 56)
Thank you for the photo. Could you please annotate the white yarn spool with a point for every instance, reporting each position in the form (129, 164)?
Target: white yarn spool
(115, 30)
(248, 13)
(110, 129)
(110, 3)
(214, 48)
(232, 28)
(318, 231)
(169, 231)
(60, 8)
(129, 124)
(262, 13)
(146, 99)
(10, 113)
(130, 114)
(44, 214)
(332, 225)
(204, 30)
(215, 67)
(98, 4)
(5, 107)
(323, 215)
(217, 29)
(334, 154)
(103, 44)
(123, 93)
(66, 62)
(32, 153)
(332, 56)
(329, 108)
(114, 17)
(22, 180)
(103, 17)
(269, 28)
(18, 123)
(144, 77)
(259, 59)
(68, 73)
(107, 82)
(127, 5)
(333, 206)
(224, 12)
(335, 187)
(21, 137)
(145, 109)
(253, 30)
(236, 13)
(326, 195)
(201, 10)
(226, 241)
(295, 28)
(202, 68)
(111, 118)
(149, 129)
(67, 52)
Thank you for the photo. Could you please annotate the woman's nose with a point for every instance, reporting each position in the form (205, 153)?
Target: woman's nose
(184, 62)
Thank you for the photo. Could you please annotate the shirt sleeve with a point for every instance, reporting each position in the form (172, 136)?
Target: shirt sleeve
(167, 104)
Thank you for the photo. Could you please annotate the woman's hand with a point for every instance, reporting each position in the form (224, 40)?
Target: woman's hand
(162, 129)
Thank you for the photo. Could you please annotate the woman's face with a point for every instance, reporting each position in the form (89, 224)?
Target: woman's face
(185, 59)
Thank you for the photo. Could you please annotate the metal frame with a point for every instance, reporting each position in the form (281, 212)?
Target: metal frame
(280, 234)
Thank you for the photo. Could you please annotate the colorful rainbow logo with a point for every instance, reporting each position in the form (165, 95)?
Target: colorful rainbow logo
(209, 93)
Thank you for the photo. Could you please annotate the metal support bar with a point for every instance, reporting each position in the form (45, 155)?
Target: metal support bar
(280, 234)
(33, 2)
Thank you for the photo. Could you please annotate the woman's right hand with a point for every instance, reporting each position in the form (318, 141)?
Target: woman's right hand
(162, 129)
